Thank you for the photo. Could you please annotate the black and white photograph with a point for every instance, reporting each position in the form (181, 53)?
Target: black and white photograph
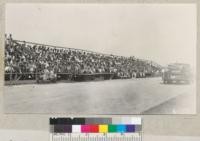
(100, 58)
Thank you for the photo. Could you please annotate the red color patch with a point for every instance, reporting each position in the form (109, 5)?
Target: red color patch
(94, 128)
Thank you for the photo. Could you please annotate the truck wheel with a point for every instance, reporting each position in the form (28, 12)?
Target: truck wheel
(167, 82)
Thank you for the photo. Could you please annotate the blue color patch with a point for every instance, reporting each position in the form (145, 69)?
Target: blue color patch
(130, 128)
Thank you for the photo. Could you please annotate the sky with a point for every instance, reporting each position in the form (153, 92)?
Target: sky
(164, 33)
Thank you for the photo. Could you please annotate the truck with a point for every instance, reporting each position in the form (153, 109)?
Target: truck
(177, 73)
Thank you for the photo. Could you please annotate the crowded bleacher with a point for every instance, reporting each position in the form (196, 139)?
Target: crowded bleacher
(30, 58)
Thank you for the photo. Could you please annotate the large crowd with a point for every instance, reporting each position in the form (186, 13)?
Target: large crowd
(22, 57)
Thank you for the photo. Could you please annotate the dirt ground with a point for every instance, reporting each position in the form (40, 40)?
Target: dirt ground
(130, 96)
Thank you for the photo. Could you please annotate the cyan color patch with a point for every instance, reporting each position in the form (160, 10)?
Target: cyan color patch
(121, 128)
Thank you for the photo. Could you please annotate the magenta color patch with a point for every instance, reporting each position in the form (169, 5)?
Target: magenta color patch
(85, 128)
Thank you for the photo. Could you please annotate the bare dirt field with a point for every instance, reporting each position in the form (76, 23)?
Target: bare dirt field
(128, 96)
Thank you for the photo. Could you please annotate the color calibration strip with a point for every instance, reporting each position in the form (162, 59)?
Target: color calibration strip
(95, 125)
(96, 129)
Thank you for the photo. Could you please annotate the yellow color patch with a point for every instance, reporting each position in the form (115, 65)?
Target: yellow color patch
(103, 128)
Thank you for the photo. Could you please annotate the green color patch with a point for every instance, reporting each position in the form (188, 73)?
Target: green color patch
(112, 128)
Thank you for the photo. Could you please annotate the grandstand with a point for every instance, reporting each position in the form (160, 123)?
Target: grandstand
(31, 61)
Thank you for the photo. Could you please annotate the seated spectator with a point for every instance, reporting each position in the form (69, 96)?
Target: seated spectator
(22, 57)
